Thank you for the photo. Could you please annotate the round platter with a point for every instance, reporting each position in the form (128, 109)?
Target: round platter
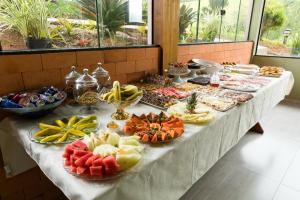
(35, 129)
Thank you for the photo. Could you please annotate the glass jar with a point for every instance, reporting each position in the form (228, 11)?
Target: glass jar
(215, 80)
(86, 90)
(102, 76)
(70, 80)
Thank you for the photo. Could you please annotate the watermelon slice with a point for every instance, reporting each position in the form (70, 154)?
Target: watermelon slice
(78, 144)
(98, 162)
(66, 155)
(111, 165)
(80, 153)
(67, 163)
(91, 159)
(81, 161)
(69, 149)
(73, 169)
(81, 170)
(96, 171)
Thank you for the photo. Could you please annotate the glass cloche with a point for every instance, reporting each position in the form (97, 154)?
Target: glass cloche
(86, 90)
(70, 80)
(102, 76)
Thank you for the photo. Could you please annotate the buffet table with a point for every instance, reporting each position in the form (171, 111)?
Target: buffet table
(166, 171)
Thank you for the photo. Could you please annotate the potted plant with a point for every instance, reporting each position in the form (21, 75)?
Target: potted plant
(29, 18)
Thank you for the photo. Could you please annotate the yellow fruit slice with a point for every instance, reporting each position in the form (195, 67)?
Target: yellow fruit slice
(50, 127)
(77, 133)
(42, 132)
(60, 123)
(72, 121)
(51, 138)
(63, 138)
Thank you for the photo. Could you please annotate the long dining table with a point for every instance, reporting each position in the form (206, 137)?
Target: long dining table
(166, 171)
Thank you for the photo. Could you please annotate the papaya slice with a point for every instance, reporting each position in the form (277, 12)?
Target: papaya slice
(172, 133)
(154, 138)
(145, 138)
(163, 136)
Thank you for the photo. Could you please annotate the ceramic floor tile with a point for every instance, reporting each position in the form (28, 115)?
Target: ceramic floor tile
(227, 182)
(266, 155)
(292, 176)
(286, 193)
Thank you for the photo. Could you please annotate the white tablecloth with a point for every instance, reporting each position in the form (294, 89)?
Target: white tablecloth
(166, 171)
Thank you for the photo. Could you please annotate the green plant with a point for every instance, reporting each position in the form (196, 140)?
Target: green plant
(296, 45)
(112, 14)
(273, 17)
(210, 30)
(67, 25)
(63, 9)
(186, 19)
(27, 17)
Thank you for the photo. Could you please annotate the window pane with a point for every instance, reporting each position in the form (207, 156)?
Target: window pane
(280, 29)
(244, 20)
(188, 20)
(47, 24)
(123, 22)
(229, 19)
(44, 24)
(210, 20)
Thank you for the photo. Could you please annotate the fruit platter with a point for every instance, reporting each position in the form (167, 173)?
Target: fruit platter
(122, 97)
(154, 128)
(102, 156)
(33, 103)
(157, 100)
(63, 131)
(192, 112)
(172, 92)
(217, 103)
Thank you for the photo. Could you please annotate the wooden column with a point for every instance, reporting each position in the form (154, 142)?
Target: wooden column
(166, 28)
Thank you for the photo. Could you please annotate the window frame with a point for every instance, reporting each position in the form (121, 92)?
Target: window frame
(60, 50)
(258, 38)
(234, 41)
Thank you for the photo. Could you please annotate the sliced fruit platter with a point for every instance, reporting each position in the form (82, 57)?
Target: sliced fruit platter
(102, 156)
(154, 128)
(64, 130)
(192, 112)
(157, 100)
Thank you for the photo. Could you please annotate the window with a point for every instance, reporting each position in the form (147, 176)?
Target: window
(43, 24)
(214, 20)
(280, 29)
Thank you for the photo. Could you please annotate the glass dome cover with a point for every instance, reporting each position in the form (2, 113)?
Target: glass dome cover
(102, 76)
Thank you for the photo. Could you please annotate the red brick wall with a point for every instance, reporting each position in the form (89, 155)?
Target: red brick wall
(19, 72)
(240, 52)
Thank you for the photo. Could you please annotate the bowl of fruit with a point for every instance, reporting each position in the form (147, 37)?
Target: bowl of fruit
(122, 97)
(65, 130)
(102, 156)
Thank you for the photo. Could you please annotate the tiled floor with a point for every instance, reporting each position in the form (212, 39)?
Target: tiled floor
(260, 167)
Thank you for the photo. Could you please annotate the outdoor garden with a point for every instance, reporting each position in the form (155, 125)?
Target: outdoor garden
(280, 30)
(40, 24)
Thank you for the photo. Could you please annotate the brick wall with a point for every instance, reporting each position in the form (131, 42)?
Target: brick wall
(240, 52)
(19, 72)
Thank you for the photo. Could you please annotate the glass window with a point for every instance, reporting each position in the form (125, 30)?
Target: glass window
(43, 24)
(188, 20)
(280, 29)
(220, 20)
